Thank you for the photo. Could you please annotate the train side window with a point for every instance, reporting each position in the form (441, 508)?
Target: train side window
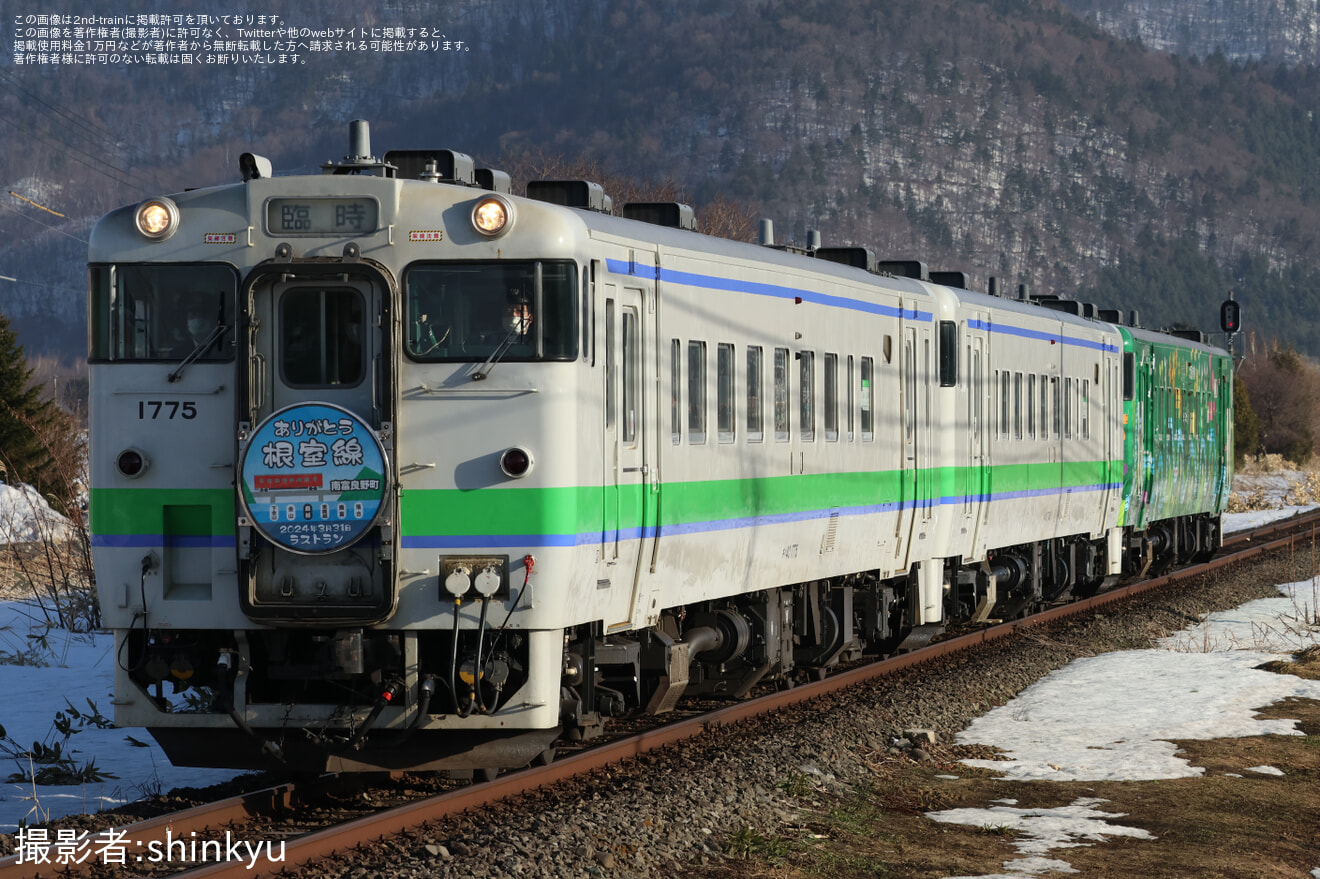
(868, 400)
(849, 386)
(831, 414)
(807, 395)
(1044, 409)
(1017, 405)
(781, 395)
(676, 390)
(631, 362)
(321, 335)
(696, 393)
(1129, 376)
(1054, 393)
(1067, 408)
(1031, 405)
(889, 349)
(1003, 403)
(724, 415)
(948, 353)
(1085, 408)
(755, 412)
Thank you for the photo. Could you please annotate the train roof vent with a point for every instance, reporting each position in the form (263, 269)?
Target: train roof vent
(662, 213)
(1110, 315)
(960, 280)
(857, 257)
(905, 268)
(571, 194)
(1189, 335)
(1067, 306)
(450, 167)
(492, 180)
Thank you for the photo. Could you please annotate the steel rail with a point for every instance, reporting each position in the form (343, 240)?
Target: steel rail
(324, 843)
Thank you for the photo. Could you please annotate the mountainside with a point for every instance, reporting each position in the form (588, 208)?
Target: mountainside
(1285, 31)
(1007, 138)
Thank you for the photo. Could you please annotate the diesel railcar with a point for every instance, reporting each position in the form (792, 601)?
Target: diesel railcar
(394, 469)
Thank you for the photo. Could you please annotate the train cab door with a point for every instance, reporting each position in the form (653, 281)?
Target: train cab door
(316, 504)
(629, 507)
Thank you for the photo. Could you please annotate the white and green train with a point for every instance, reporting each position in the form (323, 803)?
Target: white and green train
(394, 469)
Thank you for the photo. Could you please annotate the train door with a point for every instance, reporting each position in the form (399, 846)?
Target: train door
(317, 509)
(978, 487)
(907, 482)
(629, 470)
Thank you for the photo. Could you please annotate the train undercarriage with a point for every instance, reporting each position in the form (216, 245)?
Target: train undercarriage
(716, 649)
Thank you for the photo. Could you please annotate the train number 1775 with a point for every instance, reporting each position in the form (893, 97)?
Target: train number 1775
(167, 409)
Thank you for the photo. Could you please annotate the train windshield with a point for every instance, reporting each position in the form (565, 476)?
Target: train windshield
(463, 312)
(162, 312)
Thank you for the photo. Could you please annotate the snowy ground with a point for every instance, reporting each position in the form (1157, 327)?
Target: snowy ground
(1113, 718)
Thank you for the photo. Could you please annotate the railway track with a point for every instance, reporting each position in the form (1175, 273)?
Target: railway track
(290, 800)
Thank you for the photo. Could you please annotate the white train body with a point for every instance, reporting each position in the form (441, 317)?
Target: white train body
(704, 463)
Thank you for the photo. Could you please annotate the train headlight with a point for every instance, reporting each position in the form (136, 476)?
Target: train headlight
(492, 216)
(516, 463)
(157, 218)
(132, 463)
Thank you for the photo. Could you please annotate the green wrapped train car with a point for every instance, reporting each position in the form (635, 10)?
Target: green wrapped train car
(1177, 442)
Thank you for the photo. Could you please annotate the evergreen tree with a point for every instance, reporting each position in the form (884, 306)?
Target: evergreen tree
(32, 430)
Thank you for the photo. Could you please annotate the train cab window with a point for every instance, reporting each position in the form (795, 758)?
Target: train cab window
(807, 395)
(948, 353)
(831, 415)
(321, 337)
(162, 312)
(755, 411)
(696, 364)
(676, 390)
(781, 395)
(1129, 375)
(724, 415)
(868, 399)
(516, 310)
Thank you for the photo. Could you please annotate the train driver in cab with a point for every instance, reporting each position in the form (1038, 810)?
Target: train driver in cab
(198, 325)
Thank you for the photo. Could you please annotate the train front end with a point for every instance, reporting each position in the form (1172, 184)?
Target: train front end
(332, 511)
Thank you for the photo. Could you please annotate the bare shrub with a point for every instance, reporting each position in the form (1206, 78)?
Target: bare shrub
(1284, 387)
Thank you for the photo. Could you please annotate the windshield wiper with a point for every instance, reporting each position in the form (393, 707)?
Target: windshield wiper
(500, 350)
(202, 346)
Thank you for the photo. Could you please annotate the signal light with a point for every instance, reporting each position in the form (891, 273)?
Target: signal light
(516, 463)
(1230, 317)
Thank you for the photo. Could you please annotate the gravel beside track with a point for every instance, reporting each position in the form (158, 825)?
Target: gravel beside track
(672, 813)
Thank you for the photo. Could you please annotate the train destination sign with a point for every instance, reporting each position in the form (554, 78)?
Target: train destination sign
(313, 478)
(321, 216)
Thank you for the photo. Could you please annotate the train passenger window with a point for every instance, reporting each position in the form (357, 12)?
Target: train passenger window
(696, 392)
(755, 413)
(868, 400)
(1044, 409)
(781, 395)
(321, 336)
(1003, 403)
(831, 415)
(1017, 405)
(468, 311)
(162, 312)
(1031, 406)
(724, 416)
(948, 353)
(1054, 392)
(676, 390)
(631, 362)
(1067, 408)
(1085, 409)
(849, 386)
(807, 395)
